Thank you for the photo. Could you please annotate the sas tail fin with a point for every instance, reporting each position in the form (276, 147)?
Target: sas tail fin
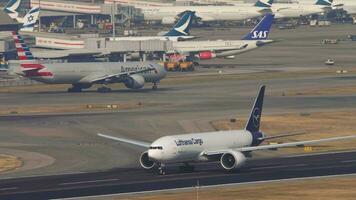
(11, 8)
(182, 27)
(30, 19)
(253, 124)
(324, 2)
(264, 3)
(262, 29)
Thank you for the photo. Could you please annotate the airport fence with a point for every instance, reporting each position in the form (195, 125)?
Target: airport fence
(17, 82)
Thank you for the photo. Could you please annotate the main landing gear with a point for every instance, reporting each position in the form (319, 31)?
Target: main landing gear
(186, 168)
(104, 89)
(161, 170)
(75, 88)
(155, 86)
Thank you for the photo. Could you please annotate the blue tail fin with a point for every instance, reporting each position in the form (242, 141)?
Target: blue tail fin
(11, 8)
(264, 3)
(253, 124)
(182, 27)
(324, 2)
(261, 30)
(30, 19)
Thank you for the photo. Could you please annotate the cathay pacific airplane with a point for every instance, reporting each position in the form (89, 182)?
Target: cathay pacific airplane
(166, 14)
(83, 75)
(294, 10)
(179, 32)
(28, 21)
(230, 148)
(348, 5)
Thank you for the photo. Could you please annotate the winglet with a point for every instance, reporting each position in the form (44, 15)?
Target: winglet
(324, 2)
(262, 29)
(253, 124)
(264, 3)
(182, 27)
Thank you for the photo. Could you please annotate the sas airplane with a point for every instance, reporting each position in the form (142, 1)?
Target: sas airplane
(28, 21)
(294, 10)
(204, 50)
(230, 148)
(83, 75)
(179, 32)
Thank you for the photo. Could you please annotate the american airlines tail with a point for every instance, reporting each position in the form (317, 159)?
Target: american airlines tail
(264, 3)
(253, 123)
(262, 29)
(27, 62)
(182, 27)
(324, 2)
(12, 7)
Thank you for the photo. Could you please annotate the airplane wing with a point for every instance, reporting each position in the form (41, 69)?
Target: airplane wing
(111, 78)
(283, 135)
(276, 146)
(127, 141)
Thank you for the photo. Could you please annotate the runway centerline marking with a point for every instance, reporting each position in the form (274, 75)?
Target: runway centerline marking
(348, 161)
(283, 166)
(93, 181)
(9, 188)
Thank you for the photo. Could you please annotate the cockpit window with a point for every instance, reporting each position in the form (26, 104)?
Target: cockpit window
(156, 147)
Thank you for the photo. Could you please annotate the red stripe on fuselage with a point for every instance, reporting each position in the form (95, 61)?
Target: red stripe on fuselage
(32, 65)
(23, 58)
(38, 74)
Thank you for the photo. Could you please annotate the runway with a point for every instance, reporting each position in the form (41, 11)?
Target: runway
(125, 180)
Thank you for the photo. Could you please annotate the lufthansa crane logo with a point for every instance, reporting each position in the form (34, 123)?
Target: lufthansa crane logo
(256, 117)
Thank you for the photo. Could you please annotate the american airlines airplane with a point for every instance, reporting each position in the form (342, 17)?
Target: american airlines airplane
(294, 10)
(28, 21)
(204, 50)
(85, 74)
(179, 32)
(348, 5)
(230, 148)
(166, 14)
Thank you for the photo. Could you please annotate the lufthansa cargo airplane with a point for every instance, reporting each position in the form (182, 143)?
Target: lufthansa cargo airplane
(83, 75)
(230, 148)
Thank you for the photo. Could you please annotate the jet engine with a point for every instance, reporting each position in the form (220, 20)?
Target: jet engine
(168, 20)
(232, 160)
(206, 55)
(145, 161)
(135, 81)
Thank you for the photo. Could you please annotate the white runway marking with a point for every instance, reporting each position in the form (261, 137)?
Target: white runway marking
(348, 161)
(93, 181)
(10, 188)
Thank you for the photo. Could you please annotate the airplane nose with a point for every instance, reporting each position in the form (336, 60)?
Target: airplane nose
(153, 154)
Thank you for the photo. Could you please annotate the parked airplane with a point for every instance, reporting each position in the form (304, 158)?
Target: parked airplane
(85, 74)
(293, 10)
(28, 21)
(348, 5)
(166, 14)
(179, 32)
(230, 148)
(224, 48)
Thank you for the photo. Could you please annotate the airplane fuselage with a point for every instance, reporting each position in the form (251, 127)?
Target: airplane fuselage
(295, 10)
(83, 73)
(190, 147)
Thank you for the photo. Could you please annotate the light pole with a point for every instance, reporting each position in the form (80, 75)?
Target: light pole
(39, 16)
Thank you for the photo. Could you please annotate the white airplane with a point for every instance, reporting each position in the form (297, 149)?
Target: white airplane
(204, 50)
(179, 32)
(348, 5)
(28, 21)
(167, 14)
(230, 148)
(294, 10)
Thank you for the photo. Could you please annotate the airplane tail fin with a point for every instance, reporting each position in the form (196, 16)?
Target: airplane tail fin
(324, 2)
(30, 19)
(182, 27)
(264, 3)
(262, 29)
(253, 124)
(12, 7)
